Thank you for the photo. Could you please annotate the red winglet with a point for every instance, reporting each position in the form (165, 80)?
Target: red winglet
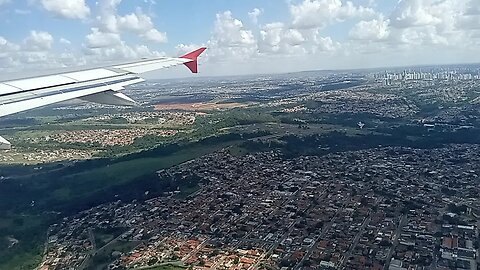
(193, 65)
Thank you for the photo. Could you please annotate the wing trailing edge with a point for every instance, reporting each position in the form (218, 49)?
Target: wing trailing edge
(4, 144)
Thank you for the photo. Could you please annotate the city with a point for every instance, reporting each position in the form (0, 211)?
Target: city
(303, 213)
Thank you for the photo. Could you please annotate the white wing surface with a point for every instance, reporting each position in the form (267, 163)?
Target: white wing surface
(99, 85)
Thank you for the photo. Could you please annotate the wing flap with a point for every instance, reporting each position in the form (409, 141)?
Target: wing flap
(40, 82)
(92, 74)
(59, 96)
(110, 98)
(7, 89)
(4, 144)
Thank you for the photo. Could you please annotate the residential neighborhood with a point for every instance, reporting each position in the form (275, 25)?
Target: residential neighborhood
(387, 208)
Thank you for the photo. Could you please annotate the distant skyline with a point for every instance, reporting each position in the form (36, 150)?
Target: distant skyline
(243, 37)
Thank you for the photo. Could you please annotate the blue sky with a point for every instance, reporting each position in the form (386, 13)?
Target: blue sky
(183, 21)
(243, 36)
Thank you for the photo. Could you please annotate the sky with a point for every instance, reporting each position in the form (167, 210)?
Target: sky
(242, 36)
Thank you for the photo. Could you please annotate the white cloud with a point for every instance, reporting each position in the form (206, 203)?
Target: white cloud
(137, 23)
(107, 18)
(231, 32)
(293, 37)
(325, 44)
(35, 54)
(271, 36)
(419, 31)
(320, 13)
(373, 30)
(7, 46)
(70, 9)
(155, 36)
(412, 13)
(431, 23)
(471, 18)
(3, 2)
(121, 51)
(254, 14)
(230, 40)
(182, 49)
(98, 39)
(276, 38)
(101, 44)
(38, 41)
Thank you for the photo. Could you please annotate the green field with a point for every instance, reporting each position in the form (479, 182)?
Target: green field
(126, 171)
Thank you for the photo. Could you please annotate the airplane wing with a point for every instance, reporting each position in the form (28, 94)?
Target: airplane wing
(100, 85)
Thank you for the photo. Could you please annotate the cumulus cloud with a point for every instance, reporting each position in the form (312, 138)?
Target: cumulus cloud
(432, 23)
(231, 40)
(254, 14)
(155, 36)
(35, 52)
(320, 13)
(324, 44)
(414, 28)
(98, 39)
(107, 18)
(275, 38)
(38, 41)
(7, 46)
(137, 22)
(105, 40)
(121, 51)
(186, 48)
(231, 32)
(373, 30)
(71, 9)
(103, 43)
(471, 18)
(412, 13)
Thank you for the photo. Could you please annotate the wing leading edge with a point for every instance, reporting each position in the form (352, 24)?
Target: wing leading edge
(100, 85)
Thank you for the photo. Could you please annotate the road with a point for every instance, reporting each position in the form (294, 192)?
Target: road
(356, 240)
(403, 221)
(325, 229)
(193, 252)
(261, 241)
(86, 261)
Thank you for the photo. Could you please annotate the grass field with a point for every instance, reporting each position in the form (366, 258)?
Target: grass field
(122, 172)
(30, 231)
